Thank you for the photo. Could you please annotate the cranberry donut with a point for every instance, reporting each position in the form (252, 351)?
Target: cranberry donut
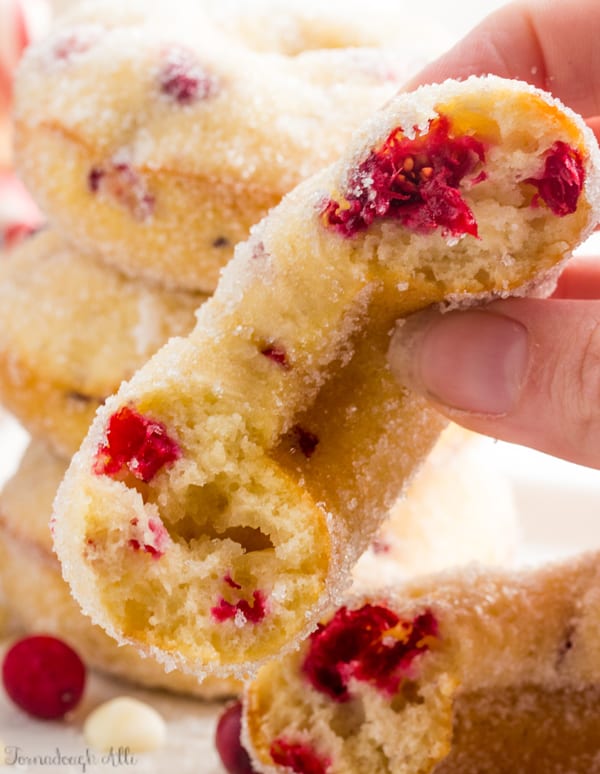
(167, 140)
(221, 497)
(71, 329)
(474, 670)
(37, 598)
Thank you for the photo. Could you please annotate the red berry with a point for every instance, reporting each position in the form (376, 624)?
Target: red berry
(371, 644)
(184, 79)
(69, 45)
(43, 676)
(254, 613)
(415, 181)
(303, 439)
(121, 182)
(277, 354)
(298, 757)
(228, 741)
(562, 179)
(136, 442)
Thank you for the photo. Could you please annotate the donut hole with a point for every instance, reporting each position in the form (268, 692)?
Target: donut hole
(214, 511)
(408, 694)
(348, 718)
(236, 556)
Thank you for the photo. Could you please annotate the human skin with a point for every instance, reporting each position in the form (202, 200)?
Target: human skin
(522, 370)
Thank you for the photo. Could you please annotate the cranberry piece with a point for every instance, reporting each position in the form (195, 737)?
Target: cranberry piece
(228, 741)
(123, 184)
(277, 354)
(137, 443)
(70, 44)
(156, 545)
(94, 177)
(254, 613)
(370, 644)
(259, 251)
(298, 757)
(380, 546)
(414, 181)
(43, 676)
(230, 582)
(184, 79)
(304, 440)
(562, 179)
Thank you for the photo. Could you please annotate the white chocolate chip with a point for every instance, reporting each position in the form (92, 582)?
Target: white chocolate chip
(125, 722)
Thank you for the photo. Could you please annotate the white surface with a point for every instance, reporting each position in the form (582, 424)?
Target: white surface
(557, 502)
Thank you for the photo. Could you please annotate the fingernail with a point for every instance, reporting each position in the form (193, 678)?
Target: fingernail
(472, 361)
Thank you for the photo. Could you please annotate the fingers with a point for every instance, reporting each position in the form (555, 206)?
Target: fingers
(581, 279)
(523, 370)
(549, 43)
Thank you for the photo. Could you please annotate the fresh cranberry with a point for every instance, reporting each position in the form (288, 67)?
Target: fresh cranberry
(277, 354)
(43, 676)
(184, 79)
(137, 443)
(298, 757)
(562, 179)
(254, 613)
(414, 181)
(228, 740)
(370, 644)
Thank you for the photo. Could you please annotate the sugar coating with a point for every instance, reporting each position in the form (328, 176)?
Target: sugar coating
(516, 647)
(244, 500)
(71, 329)
(174, 138)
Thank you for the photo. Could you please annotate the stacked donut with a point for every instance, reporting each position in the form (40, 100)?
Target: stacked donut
(145, 202)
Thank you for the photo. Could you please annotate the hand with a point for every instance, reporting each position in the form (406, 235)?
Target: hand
(523, 370)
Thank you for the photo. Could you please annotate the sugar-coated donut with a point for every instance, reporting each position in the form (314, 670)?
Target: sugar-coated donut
(167, 140)
(466, 671)
(221, 497)
(71, 329)
(37, 598)
(287, 27)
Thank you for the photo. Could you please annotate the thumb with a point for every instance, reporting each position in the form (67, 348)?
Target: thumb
(523, 370)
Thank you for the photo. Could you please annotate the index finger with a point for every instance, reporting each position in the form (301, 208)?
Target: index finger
(551, 44)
